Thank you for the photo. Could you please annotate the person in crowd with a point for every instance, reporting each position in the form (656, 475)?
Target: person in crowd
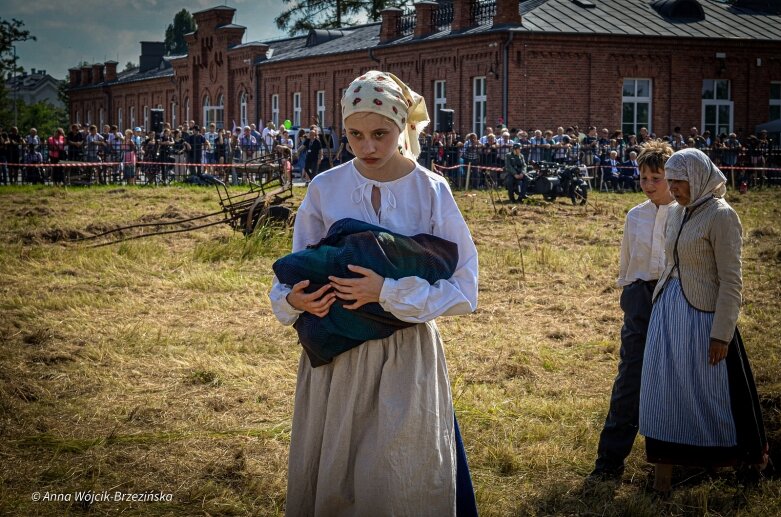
(676, 139)
(94, 147)
(165, 154)
(344, 154)
(538, 146)
(268, 137)
(373, 430)
(630, 173)
(641, 262)
(4, 148)
(644, 136)
(504, 146)
(515, 179)
(209, 153)
(34, 173)
(472, 148)
(129, 157)
(730, 149)
(526, 146)
(611, 172)
(180, 150)
(559, 135)
(604, 145)
(698, 401)
(314, 154)
(56, 146)
(590, 149)
(488, 131)
(197, 145)
(285, 159)
(248, 144)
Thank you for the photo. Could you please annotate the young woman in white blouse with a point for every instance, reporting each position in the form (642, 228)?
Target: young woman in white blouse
(373, 431)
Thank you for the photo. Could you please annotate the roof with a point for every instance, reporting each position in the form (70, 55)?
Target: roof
(602, 17)
(639, 18)
(131, 76)
(351, 39)
(30, 82)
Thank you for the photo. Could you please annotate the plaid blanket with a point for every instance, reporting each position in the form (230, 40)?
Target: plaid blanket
(389, 254)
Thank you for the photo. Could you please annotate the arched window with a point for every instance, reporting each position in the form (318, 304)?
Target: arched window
(220, 112)
(173, 114)
(132, 117)
(207, 112)
(101, 118)
(187, 112)
(119, 119)
(146, 118)
(243, 119)
(89, 117)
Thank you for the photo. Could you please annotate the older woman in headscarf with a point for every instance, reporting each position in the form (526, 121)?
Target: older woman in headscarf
(373, 430)
(698, 401)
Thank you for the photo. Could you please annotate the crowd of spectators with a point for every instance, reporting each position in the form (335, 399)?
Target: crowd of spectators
(159, 157)
(609, 154)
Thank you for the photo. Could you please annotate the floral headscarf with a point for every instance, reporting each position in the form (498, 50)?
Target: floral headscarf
(385, 94)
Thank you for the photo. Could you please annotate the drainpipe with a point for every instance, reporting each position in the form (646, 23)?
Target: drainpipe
(257, 96)
(371, 55)
(506, 77)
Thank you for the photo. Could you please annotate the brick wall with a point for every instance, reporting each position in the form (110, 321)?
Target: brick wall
(553, 79)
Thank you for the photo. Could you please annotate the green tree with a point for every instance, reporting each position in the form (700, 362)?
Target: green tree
(130, 66)
(10, 33)
(174, 34)
(302, 15)
(42, 116)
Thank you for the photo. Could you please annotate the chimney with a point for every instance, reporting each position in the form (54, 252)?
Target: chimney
(74, 76)
(97, 73)
(390, 21)
(32, 71)
(462, 15)
(85, 74)
(111, 70)
(424, 13)
(507, 13)
(152, 53)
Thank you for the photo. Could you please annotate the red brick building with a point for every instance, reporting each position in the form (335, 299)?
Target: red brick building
(537, 63)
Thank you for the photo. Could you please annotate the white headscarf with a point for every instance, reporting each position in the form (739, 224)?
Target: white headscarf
(705, 179)
(385, 94)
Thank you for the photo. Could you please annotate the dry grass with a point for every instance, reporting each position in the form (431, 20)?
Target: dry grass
(156, 365)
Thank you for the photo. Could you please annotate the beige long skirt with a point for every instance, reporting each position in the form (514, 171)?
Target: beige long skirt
(373, 431)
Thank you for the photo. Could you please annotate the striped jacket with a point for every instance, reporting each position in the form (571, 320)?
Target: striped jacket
(705, 243)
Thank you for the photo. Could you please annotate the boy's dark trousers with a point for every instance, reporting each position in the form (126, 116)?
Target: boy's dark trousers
(621, 424)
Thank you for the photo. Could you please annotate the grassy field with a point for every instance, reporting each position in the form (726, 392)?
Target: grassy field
(156, 366)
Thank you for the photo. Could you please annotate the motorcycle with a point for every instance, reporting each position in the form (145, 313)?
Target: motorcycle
(554, 180)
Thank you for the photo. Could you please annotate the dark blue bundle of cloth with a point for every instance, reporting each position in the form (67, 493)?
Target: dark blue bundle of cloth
(388, 254)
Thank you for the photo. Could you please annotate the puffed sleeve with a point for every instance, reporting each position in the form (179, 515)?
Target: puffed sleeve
(413, 299)
(308, 229)
(726, 236)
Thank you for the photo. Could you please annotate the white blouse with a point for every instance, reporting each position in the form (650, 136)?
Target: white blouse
(642, 246)
(419, 202)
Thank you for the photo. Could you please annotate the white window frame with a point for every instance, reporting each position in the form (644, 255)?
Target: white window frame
(718, 103)
(146, 118)
(119, 120)
(186, 112)
(243, 118)
(101, 117)
(440, 100)
(89, 117)
(297, 109)
(219, 112)
(774, 102)
(78, 116)
(208, 112)
(320, 96)
(479, 105)
(173, 114)
(275, 109)
(636, 100)
(132, 117)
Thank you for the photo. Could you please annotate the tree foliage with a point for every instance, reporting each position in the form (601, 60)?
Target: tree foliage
(10, 33)
(130, 66)
(302, 15)
(184, 23)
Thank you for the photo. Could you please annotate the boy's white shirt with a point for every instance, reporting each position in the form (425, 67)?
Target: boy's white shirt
(642, 246)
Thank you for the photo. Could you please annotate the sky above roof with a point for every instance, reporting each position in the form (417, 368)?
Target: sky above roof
(100, 30)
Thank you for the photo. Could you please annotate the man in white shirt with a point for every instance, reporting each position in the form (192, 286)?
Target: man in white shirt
(640, 265)
(269, 137)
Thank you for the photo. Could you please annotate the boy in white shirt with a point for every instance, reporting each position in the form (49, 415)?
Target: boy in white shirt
(640, 265)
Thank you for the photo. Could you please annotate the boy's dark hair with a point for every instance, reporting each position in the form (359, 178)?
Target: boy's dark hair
(654, 155)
